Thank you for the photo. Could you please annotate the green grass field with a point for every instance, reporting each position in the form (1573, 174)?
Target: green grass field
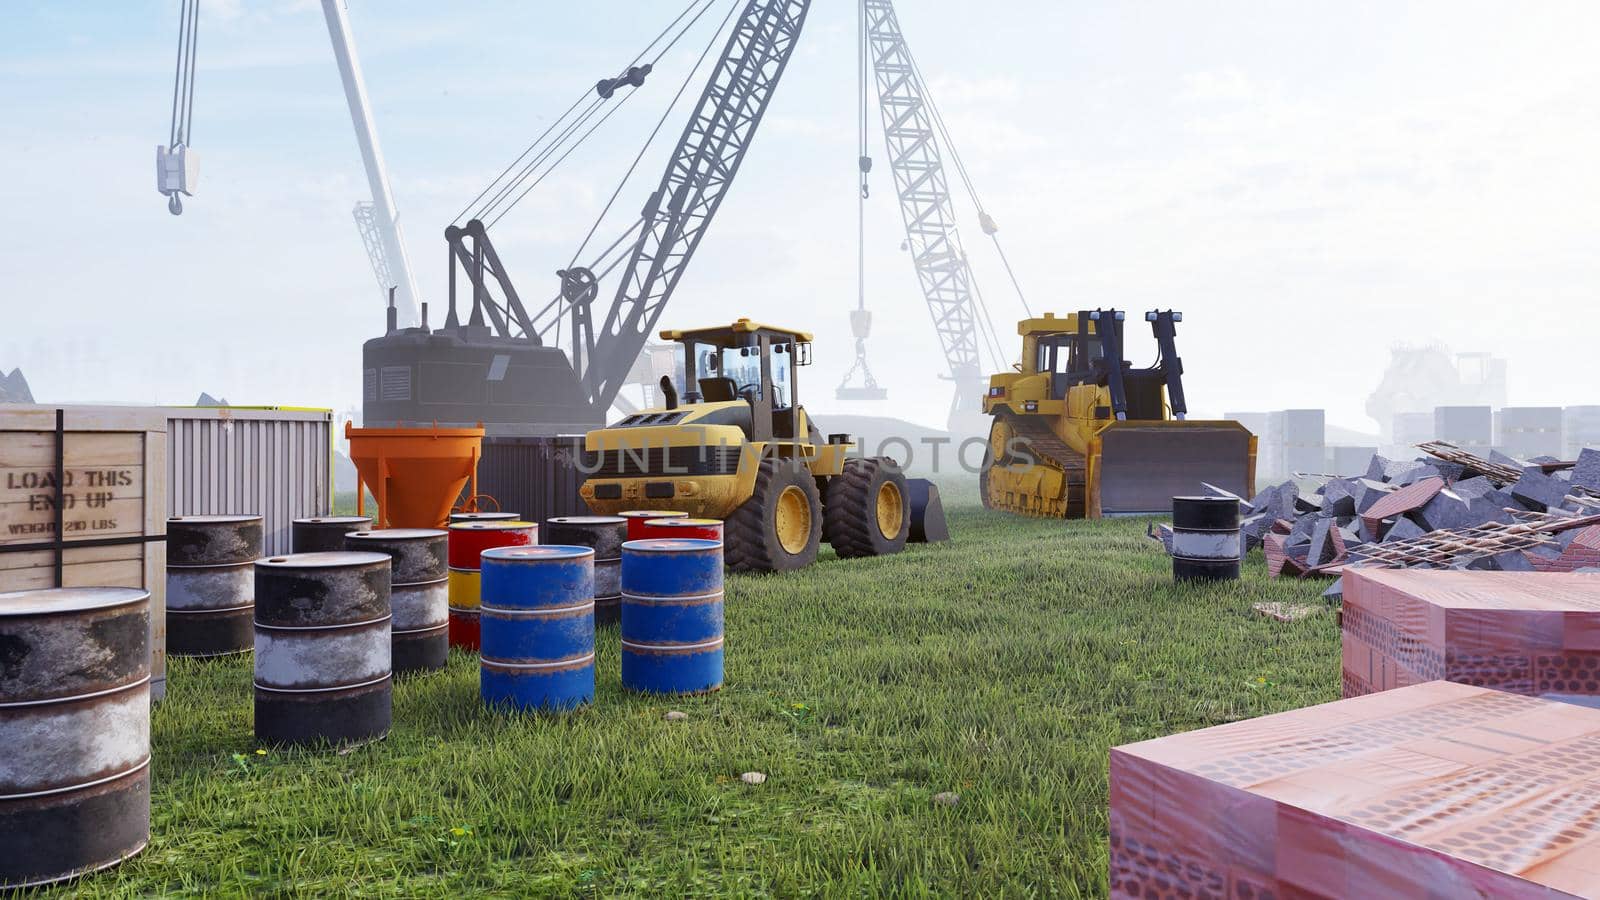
(1000, 667)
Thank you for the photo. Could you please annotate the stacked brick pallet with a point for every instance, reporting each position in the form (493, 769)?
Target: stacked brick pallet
(1433, 790)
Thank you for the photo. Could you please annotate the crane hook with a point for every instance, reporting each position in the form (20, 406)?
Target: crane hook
(174, 205)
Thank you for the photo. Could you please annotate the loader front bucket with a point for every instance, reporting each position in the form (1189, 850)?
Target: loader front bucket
(1136, 468)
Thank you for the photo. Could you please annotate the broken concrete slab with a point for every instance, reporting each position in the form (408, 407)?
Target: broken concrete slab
(1403, 529)
(1447, 509)
(1408, 498)
(1420, 472)
(1339, 497)
(1539, 492)
(1586, 473)
(1477, 486)
(1371, 493)
(1335, 591)
(1321, 550)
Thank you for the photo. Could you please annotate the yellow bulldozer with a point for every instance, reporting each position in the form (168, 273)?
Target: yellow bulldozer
(1079, 433)
(738, 446)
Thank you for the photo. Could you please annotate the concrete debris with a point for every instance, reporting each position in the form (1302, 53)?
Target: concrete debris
(1283, 612)
(14, 388)
(1451, 509)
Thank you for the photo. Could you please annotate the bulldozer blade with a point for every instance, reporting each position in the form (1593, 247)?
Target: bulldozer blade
(927, 512)
(1141, 466)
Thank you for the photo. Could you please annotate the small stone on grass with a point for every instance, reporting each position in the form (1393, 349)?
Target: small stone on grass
(752, 778)
(946, 798)
(675, 715)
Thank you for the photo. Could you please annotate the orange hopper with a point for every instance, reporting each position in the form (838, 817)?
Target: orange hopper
(416, 474)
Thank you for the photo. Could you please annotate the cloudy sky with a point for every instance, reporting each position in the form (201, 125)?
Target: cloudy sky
(1309, 182)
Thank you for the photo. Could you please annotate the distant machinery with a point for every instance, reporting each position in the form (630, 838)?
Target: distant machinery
(913, 129)
(504, 365)
(1418, 379)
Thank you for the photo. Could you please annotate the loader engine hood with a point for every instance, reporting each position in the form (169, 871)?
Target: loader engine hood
(696, 424)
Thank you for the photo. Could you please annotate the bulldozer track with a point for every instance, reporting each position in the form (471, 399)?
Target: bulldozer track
(1048, 449)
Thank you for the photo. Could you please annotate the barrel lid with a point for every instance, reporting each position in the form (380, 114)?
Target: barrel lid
(685, 523)
(214, 520)
(74, 599)
(1208, 498)
(329, 560)
(672, 545)
(333, 520)
(396, 534)
(539, 552)
(484, 517)
(653, 514)
(586, 520)
(512, 525)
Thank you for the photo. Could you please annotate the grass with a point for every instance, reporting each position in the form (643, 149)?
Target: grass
(1001, 667)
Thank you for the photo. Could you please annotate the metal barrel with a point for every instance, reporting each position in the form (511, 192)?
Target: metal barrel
(324, 534)
(74, 731)
(466, 544)
(419, 593)
(484, 517)
(603, 534)
(323, 670)
(672, 629)
(637, 517)
(1205, 538)
(678, 529)
(211, 583)
(538, 627)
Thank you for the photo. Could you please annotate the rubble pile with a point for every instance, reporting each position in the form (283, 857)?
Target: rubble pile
(1463, 511)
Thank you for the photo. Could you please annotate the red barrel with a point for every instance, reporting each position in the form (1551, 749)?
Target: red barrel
(637, 517)
(468, 540)
(672, 529)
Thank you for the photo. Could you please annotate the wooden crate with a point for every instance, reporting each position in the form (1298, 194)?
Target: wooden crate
(112, 504)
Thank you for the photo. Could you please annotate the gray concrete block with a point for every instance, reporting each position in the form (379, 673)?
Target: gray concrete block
(1495, 456)
(1378, 466)
(1322, 551)
(1308, 503)
(1447, 509)
(1451, 472)
(1468, 488)
(1416, 474)
(1403, 529)
(1540, 492)
(1335, 591)
(1339, 497)
(1587, 472)
(1509, 561)
(1371, 492)
(1300, 535)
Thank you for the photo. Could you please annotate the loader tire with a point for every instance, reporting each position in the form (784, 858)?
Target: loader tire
(867, 512)
(779, 528)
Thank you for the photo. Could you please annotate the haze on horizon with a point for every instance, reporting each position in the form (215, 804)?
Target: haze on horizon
(1310, 183)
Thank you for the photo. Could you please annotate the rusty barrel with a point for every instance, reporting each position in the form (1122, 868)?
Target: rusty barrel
(324, 534)
(637, 517)
(674, 529)
(604, 535)
(672, 630)
(211, 583)
(419, 594)
(484, 517)
(322, 648)
(74, 731)
(467, 542)
(1205, 538)
(538, 627)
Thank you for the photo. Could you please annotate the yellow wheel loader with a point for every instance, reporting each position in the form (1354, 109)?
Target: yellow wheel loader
(1079, 433)
(740, 447)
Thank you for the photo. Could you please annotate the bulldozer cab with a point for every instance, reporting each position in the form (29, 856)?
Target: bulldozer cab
(1093, 355)
(750, 363)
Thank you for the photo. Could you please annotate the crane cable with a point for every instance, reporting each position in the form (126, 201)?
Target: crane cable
(688, 79)
(182, 130)
(498, 205)
(985, 221)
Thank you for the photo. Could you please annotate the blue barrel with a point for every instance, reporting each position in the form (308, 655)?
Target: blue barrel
(537, 617)
(672, 616)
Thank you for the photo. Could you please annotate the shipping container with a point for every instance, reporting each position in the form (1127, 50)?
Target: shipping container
(1581, 426)
(536, 477)
(1469, 427)
(1529, 431)
(272, 462)
(83, 496)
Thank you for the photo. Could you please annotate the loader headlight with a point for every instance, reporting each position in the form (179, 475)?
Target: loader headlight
(1030, 405)
(1150, 316)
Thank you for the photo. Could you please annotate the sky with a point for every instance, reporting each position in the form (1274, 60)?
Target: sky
(1311, 183)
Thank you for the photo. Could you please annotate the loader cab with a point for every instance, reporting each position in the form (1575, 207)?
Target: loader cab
(753, 369)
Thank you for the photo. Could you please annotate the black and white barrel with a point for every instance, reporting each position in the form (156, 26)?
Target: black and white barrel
(74, 731)
(419, 593)
(325, 534)
(211, 583)
(605, 535)
(1205, 538)
(322, 648)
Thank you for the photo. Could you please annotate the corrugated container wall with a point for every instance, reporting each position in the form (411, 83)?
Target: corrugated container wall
(535, 477)
(274, 463)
